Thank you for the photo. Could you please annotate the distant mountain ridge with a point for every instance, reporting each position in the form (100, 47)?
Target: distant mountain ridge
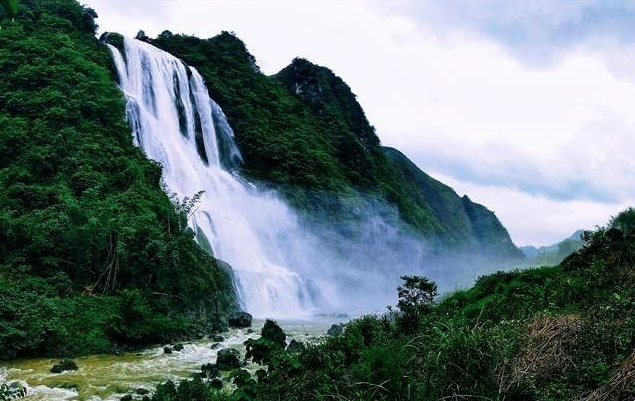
(553, 254)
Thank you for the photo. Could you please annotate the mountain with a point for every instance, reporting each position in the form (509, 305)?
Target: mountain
(553, 254)
(303, 131)
(95, 254)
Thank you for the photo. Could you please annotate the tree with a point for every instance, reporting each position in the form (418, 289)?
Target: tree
(416, 298)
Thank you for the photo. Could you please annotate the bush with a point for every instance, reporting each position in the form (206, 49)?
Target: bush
(189, 390)
(416, 298)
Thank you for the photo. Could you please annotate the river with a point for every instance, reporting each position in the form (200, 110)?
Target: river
(109, 377)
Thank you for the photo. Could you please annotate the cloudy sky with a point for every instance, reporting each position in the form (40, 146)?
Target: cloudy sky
(527, 106)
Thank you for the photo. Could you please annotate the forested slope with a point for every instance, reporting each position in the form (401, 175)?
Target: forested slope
(303, 131)
(93, 252)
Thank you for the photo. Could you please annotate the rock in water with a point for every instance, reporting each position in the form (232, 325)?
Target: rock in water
(216, 383)
(272, 332)
(295, 346)
(228, 359)
(219, 325)
(167, 350)
(64, 365)
(12, 391)
(210, 370)
(240, 320)
(178, 347)
(218, 338)
(335, 330)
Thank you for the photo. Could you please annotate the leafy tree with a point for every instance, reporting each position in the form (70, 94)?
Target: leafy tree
(10, 7)
(416, 298)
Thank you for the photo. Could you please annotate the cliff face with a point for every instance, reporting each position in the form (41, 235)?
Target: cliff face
(463, 221)
(303, 131)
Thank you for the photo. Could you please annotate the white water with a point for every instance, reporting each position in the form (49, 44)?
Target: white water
(177, 124)
(110, 377)
(285, 266)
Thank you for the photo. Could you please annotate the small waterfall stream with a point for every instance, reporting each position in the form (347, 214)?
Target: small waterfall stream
(177, 124)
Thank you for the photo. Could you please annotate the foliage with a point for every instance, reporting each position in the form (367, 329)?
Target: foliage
(272, 339)
(11, 391)
(190, 390)
(416, 298)
(552, 333)
(10, 7)
(65, 364)
(92, 252)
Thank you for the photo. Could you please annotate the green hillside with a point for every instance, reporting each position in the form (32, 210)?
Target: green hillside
(93, 253)
(302, 130)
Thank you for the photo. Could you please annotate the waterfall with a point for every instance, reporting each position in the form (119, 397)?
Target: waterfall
(177, 124)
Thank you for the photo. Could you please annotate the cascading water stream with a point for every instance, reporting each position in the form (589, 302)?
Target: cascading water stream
(177, 124)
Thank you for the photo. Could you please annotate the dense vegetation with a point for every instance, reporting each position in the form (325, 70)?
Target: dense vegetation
(303, 131)
(563, 333)
(554, 333)
(93, 253)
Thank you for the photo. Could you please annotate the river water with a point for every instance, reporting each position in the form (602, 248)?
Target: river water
(109, 377)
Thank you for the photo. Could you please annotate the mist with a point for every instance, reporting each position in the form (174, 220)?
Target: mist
(341, 253)
(356, 255)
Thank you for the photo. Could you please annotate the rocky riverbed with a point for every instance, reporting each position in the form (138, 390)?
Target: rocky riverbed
(110, 377)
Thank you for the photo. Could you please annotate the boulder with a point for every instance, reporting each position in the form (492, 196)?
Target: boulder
(219, 325)
(210, 371)
(126, 397)
(167, 350)
(178, 347)
(216, 383)
(240, 320)
(227, 359)
(142, 391)
(335, 330)
(272, 332)
(64, 365)
(216, 346)
(295, 345)
(218, 338)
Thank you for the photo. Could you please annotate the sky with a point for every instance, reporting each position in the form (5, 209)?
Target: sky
(526, 106)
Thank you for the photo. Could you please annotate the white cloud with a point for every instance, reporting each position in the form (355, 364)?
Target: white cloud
(459, 101)
(537, 220)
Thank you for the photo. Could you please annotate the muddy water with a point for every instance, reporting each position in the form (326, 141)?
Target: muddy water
(109, 377)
